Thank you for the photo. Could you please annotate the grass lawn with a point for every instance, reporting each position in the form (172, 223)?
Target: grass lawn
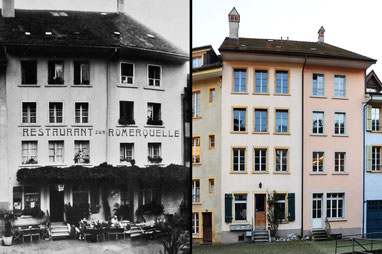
(295, 247)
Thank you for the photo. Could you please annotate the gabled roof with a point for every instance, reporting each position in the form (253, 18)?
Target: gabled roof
(372, 81)
(233, 12)
(82, 29)
(292, 48)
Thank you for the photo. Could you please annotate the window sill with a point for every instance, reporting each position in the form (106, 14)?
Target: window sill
(157, 164)
(240, 93)
(196, 164)
(127, 86)
(281, 133)
(83, 164)
(154, 126)
(375, 172)
(318, 173)
(261, 93)
(127, 126)
(260, 133)
(239, 223)
(260, 172)
(29, 166)
(56, 85)
(211, 149)
(239, 132)
(81, 85)
(318, 135)
(153, 88)
(197, 237)
(337, 219)
(281, 173)
(55, 125)
(196, 118)
(318, 97)
(29, 85)
(199, 203)
(376, 132)
(238, 172)
(340, 98)
(340, 135)
(30, 125)
(340, 173)
(82, 125)
(281, 94)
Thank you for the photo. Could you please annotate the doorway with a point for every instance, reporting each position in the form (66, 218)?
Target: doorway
(317, 211)
(207, 227)
(56, 204)
(260, 214)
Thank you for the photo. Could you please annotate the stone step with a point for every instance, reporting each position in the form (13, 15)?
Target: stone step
(56, 230)
(261, 240)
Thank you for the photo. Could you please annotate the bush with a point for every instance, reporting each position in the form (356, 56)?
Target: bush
(150, 208)
(8, 217)
(122, 211)
(76, 213)
(35, 212)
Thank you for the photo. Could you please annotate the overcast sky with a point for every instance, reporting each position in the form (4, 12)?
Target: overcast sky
(169, 18)
(352, 25)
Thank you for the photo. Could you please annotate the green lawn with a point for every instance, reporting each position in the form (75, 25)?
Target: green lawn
(296, 247)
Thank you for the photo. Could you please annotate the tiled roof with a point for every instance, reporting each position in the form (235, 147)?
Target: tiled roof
(81, 29)
(294, 48)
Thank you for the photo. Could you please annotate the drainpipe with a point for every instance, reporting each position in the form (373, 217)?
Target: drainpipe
(302, 148)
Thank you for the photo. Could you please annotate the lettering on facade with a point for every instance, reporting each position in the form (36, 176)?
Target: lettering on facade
(88, 132)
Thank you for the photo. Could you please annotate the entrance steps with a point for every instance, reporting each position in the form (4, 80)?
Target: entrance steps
(59, 230)
(261, 235)
(319, 235)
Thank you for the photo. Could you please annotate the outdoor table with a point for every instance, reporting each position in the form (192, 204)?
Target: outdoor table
(116, 232)
(30, 232)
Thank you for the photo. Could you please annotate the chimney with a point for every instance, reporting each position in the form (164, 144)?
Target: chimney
(8, 10)
(120, 6)
(234, 20)
(321, 36)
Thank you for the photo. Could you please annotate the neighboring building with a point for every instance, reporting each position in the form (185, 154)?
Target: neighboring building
(80, 89)
(206, 146)
(372, 209)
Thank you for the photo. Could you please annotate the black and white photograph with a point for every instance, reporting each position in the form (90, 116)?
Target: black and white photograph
(95, 126)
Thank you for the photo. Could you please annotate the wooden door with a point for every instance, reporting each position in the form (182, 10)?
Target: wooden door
(260, 213)
(56, 205)
(207, 228)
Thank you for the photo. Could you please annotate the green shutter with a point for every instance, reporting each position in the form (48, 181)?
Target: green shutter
(228, 208)
(291, 207)
(369, 158)
(368, 117)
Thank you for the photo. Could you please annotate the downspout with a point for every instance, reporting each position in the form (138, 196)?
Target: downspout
(302, 148)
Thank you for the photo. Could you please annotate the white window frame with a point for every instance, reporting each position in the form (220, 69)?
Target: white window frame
(55, 113)
(198, 63)
(376, 167)
(240, 202)
(123, 148)
(284, 201)
(195, 225)
(323, 122)
(81, 144)
(282, 82)
(196, 197)
(151, 149)
(282, 120)
(55, 149)
(29, 152)
(336, 169)
(331, 200)
(281, 160)
(211, 187)
(193, 147)
(318, 88)
(240, 150)
(195, 106)
(374, 126)
(240, 70)
(316, 170)
(261, 81)
(336, 87)
(261, 162)
(239, 119)
(81, 112)
(148, 78)
(121, 77)
(28, 116)
(344, 121)
(261, 120)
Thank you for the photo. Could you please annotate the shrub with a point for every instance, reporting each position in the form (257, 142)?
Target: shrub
(76, 213)
(150, 208)
(35, 212)
(122, 211)
(8, 217)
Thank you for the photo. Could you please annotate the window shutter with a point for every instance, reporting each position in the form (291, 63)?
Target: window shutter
(369, 158)
(228, 208)
(291, 207)
(368, 118)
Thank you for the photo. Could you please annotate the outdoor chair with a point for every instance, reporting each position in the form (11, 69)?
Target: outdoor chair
(90, 233)
(17, 234)
(30, 232)
(44, 231)
(115, 232)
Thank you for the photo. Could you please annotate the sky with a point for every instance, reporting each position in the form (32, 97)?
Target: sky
(351, 25)
(169, 18)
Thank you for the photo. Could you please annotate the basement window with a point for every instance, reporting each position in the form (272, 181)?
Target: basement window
(29, 72)
(81, 73)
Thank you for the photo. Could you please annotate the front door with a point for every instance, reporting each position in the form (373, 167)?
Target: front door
(260, 214)
(56, 204)
(317, 211)
(207, 227)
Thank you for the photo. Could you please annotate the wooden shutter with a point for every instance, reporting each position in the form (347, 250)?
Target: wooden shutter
(369, 158)
(291, 207)
(368, 118)
(228, 208)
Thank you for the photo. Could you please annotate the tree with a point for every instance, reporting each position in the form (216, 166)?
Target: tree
(274, 214)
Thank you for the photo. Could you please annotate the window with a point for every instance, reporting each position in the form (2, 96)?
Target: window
(281, 125)
(195, 223)
(238, 159)
(375, 119)
(261, 120)
(281, 205)
(17, 200)
(29, 112)
(339, 86)
(81, 112)
(81, 73)
(211, 186)
(196, 62)
(376, 158)
(211, 95)
(126, 152)
(154, 73)
(261, 81)
(339, 123)
(318, 162)
(282, 82)
(281, 160)
(29, 72)
(127, 73)
(195, 191)
(196, 150)
(339, 162)
(80, 195)
(240, 81)
(239, 119)
(29, 152)
(148, 196)
(32, 197)
(317, 204)
(318, 85)
(260, 157)
(155, 153)
(335, 205)
(94, 199)
(126, 112)
(55, 72)
(55, 112)
(211, 142)
(81, 152)
(154, 114)
(56, 151)
(195, 104)
(240, 202)
(318, 122)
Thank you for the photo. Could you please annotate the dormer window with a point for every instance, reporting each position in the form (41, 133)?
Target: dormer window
(127, 73)
(197, 62)
(55, 72)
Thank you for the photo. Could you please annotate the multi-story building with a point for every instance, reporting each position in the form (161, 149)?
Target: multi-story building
(206, 147)
(79, 89)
